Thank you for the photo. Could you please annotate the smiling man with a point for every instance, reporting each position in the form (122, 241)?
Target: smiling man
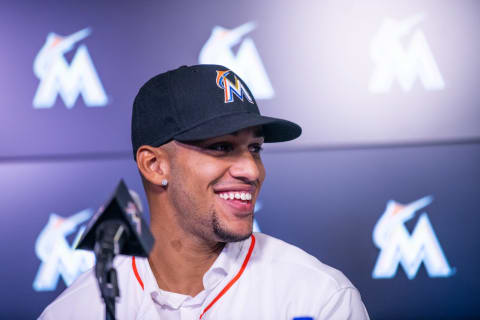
(197, 137)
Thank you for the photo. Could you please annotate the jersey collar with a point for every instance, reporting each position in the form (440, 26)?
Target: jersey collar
(228, 262)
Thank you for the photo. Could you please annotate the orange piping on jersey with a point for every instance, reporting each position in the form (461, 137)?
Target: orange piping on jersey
(135, 271)
(237, 276)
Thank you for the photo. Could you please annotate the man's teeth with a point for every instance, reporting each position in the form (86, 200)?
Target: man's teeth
(236, 195)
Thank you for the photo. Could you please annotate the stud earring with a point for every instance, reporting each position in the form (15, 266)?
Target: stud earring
(164, 182)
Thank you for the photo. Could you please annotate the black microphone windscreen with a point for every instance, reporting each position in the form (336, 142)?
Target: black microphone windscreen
(123, 207)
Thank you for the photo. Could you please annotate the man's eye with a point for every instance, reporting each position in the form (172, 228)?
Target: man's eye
(221, 147)
(256, 148)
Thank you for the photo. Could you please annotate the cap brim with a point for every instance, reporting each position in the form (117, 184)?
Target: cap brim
(274, 129)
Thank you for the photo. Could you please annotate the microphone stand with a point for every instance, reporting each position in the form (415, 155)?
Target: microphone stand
(110, 237)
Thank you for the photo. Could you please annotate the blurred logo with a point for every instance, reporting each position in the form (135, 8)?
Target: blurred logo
(135, 217)
(399, 247)
(69, 81)
(246, 63)
(406, 63)
(231, 89)
(57, 256)
(258, 207)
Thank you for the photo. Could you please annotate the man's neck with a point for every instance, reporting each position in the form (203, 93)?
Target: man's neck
(179, 262)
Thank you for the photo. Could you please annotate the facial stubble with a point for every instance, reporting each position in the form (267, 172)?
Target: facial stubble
(224, 234)
(206, 226)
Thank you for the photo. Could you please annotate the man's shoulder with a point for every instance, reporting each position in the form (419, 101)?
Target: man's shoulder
(82, 293)
(82, 299)
(288, 260)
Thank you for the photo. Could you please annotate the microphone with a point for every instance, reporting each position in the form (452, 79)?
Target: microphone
(116, 228)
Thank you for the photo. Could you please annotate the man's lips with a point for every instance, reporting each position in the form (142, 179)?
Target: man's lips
(235, 188)
(239, 208)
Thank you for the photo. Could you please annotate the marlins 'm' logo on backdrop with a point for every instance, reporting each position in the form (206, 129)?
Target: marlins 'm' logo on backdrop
(405, 61)
(68, 81)
(57, 256)
(246, 62)
(230, 88)
(399, 247)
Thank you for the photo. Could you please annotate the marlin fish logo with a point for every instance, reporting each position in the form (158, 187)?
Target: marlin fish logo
(231, 89)
(397, 59)
(399, 247)
(56, 46)
(246, 63)
(57, 256)
(57, 77)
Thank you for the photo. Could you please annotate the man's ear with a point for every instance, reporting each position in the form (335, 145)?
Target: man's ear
(153, 164)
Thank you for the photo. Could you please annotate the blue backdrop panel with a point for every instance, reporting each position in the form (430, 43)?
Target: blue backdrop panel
(327, 203)
(380, 72)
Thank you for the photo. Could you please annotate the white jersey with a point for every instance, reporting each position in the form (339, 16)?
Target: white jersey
(260, 278)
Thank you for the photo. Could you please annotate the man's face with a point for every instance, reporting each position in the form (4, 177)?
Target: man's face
(214, 184)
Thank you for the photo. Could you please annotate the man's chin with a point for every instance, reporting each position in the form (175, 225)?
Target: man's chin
(226, 234)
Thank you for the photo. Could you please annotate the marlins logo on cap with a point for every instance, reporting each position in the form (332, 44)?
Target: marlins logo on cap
(230, 89)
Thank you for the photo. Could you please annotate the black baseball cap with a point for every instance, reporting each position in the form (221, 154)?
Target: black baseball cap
(199, 102)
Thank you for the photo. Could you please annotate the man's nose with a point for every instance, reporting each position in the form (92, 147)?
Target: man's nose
(246, 166)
